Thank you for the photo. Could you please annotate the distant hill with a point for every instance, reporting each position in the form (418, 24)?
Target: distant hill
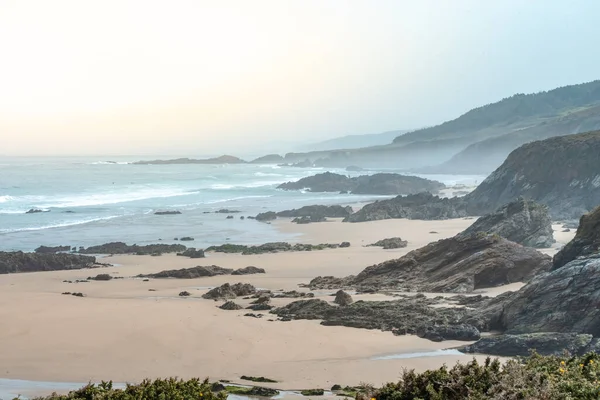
(478, 141)
(225, 159)
(354, 141)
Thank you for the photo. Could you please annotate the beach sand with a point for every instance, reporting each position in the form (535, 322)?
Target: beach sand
(123, 332)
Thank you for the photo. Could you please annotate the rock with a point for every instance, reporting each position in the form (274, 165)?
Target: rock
(174, 212)
(227, 291)
(317, 211)
(229, 217)
(185, 293)
(561, 172)
(566, 230)
(573, 224)
(123, 248)
(459, 264)
(344, 245)
(312, 392)
(262, 392)
(438, 333)
(274, 247)
(564, 300)
(521, 221)
(52, 250)
(405, 316)
(292, 294)
(186, 239)
(390, 243)
(330, 282)
(342, 298)
(383, 183)
(78, 294)
(261, 379)
(266, 216)
(417, 206)
(242, 217)
(101, 277)
(227, 211)
(336, 388)
(544, 343)
(253, 315)
(192, 253)
(269, 159)
(34, 211)
(259, 307)
(217, 387)
(190, 273)
(262, 299)
(586, 241)
(230, 305)
(248, 271)
(308, 220)
(17, 261)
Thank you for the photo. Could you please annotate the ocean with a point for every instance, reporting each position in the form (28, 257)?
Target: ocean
(91, 200)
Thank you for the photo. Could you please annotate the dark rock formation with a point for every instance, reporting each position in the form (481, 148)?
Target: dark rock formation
(383, 184)
(344, 245)
(342, 298)
(17, 261)
(259, 307)
(190, 273)
(564, 300)
(230, 305)
(312, 392)
(586, 241)
(185, 293)
(407, 316)
(187, 239)
(226, 211)
(192, 253)
(390, 243)
(266, 216)
(561, 172)
(34, 211)
(306, 214)
(545, 343)
(438, 333)
(459, 264)
(419, 206)
(293, 294)
(521, 221)
(274, 247)
(229, 217)
(123, 248)
(227, 291)
(269, 159)
(101, 277)
(248, 271)
(167, 212)
(52, 250)
(308, 220)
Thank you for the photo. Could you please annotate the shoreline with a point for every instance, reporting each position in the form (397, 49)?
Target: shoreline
(116, 325)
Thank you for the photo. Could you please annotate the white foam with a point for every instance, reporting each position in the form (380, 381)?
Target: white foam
(5, 198)
(256, 184)
(434, 353)
(60, 224)
(113, 198)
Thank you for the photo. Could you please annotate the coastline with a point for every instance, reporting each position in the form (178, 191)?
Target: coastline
(132, 334)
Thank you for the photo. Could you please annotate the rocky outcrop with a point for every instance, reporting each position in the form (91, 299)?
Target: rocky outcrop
(192, 253)
(227, 291)
(342, 298)
(225, 159)
(316, 213)
(231, 306)
(35, 211)
(384, 184)
(123, 248)
(174, 212)
(308, 220)
(190, 273)
(585, 243)
(561, 172)
(460, 264)
(521, 221)
(564, 300)
(17, 261)
(52, 250)
(407, 316)
(419, 206)
(248, 271)
(269, 159)
(274, 247)
(544, 343)
(390, 243)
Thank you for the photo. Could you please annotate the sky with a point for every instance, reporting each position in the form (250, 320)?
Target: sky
(213, 77)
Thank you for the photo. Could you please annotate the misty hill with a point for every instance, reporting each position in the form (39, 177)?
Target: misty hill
(511, 122)
(561, 172)
(354, 141)
(225, 159)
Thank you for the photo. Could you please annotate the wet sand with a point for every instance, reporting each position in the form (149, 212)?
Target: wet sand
(124, 332)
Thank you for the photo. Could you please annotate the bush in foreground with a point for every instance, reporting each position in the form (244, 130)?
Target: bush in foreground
(536, 377)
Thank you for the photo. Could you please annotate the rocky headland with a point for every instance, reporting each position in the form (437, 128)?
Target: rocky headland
(12, 262)
(124, 248)
(314, 213)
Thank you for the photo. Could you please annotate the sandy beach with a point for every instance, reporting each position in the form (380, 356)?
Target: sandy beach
(123, 332)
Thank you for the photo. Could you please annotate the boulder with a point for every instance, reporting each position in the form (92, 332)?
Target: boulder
(585, 243)
(564, 300)
(544, 343)
(190, 273)
(248, 271)
(342, 298)
(192, 253)
(418, 206)
(390, 243)
(101, 277)
(521, 221)
(17, 261)
(227, 291)
(230, 305)
(185, 293)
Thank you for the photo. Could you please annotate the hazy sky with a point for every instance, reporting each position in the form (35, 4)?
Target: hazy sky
(185, 77)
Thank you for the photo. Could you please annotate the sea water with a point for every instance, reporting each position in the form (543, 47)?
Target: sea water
(90, 201)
